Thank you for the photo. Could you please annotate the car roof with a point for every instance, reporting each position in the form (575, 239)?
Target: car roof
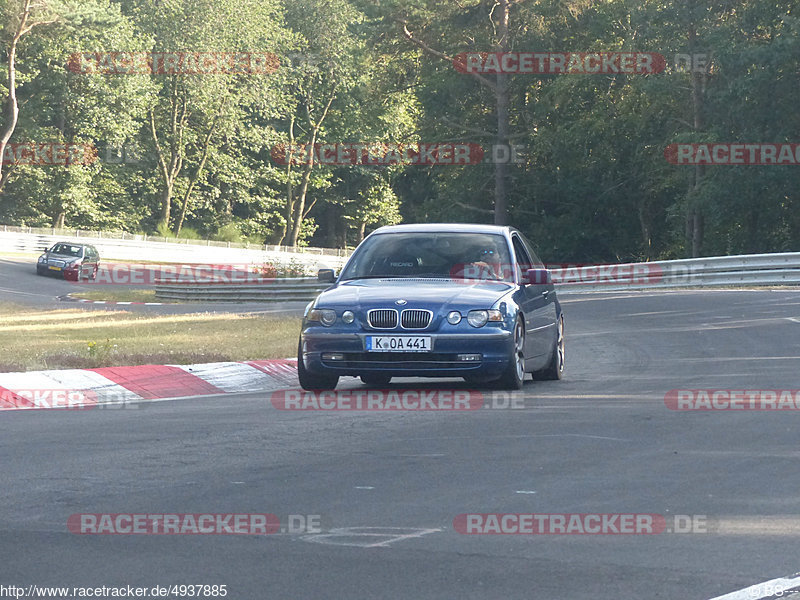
(445, 228)
(74, 244)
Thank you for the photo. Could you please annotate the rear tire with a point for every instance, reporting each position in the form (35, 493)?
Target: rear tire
(311, 381)
(555, 368)
(514, 375)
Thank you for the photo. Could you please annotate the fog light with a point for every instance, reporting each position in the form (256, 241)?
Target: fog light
(332, 356)
(468, 357)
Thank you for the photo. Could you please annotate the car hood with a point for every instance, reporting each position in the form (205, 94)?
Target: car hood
(418, 293)
(65, 257)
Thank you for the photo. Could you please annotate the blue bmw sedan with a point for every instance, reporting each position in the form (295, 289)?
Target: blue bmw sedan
(435, 300)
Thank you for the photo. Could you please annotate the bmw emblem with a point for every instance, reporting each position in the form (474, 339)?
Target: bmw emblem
(401, 302)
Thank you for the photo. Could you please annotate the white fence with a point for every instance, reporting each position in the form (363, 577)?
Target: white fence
(129, 247)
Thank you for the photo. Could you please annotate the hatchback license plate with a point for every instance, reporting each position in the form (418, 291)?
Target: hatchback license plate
(54, 268)
(399, 343)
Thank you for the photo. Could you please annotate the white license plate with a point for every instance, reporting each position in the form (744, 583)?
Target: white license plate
(54, 268)
(399, 343)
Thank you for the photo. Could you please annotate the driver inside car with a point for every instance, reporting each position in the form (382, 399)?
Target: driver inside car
(485, 265)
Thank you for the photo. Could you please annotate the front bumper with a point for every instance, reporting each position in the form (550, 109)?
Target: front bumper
(492, 347)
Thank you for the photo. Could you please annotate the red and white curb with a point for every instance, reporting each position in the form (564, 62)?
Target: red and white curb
(122, 385)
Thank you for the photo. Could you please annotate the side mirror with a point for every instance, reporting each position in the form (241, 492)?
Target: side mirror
(539, 277)
(326, 276)
(46, 249)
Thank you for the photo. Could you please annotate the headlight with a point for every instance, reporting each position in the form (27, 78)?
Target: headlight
(42, 258)
(325, 316)
(479, 318)
(454, 317)
(348, 316)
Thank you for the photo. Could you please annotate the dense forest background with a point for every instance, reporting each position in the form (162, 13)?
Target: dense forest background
(190, 155)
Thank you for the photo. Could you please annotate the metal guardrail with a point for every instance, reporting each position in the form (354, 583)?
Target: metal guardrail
(288, 289)
(747, 270)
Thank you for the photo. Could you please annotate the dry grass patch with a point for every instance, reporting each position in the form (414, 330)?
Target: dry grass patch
(73, 338)
(118, 294)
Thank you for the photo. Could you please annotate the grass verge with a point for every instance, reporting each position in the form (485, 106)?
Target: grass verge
(71, 338)
(121, 295)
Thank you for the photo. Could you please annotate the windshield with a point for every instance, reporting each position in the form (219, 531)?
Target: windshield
(437, 255)
(66, 250)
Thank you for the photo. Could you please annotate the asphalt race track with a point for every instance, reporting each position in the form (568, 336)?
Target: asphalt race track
(20, 284)
(601, 441)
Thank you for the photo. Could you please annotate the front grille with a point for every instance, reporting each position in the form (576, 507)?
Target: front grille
(415, 319)
(382, 318)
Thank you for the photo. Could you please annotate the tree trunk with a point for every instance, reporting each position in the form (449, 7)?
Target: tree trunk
(170, 166)
(696, 220)
(300, 201)
(11, 107)
(501, 106)
(196, 176)
(166, 201)
(288, 208)
(500, 89)
(361, 229)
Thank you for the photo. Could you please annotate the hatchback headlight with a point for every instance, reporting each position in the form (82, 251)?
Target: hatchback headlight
(325, 316)
(348, 316)
(454, 317)
(42, 258)
(479, 318)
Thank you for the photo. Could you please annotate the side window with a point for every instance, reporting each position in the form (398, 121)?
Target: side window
(537, 264)
(523, 260)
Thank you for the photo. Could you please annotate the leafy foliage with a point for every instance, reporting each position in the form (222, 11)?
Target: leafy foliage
(192, 153)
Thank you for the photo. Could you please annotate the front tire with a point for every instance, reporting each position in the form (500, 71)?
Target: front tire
(555, 368)
(311, 381)
(514, 375)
